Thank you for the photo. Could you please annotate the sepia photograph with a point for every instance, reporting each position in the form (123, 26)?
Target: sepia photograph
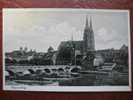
(62, 50)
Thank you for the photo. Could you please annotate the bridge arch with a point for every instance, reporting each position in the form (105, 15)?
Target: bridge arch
(11, 73)
(38, 71)
(61, 69)
(31, 71)
(47, 71)
(75, 69)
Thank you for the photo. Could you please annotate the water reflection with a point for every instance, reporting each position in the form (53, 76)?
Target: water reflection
(81, 80)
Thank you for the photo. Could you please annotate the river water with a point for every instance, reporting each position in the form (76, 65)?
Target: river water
(82, 80)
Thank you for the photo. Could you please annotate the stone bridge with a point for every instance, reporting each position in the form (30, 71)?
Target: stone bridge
(49, 69)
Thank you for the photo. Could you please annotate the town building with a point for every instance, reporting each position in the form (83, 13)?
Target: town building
(73, 52)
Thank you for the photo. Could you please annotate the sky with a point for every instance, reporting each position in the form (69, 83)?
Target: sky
(38, 29)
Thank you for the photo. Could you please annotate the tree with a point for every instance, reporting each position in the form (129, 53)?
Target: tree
(50, 49)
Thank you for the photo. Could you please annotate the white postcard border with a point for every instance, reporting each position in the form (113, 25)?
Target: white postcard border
(70, 88)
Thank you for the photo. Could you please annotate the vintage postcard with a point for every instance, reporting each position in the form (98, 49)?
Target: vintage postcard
(61, 50)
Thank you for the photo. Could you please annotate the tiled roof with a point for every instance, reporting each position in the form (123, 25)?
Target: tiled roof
(77, 44)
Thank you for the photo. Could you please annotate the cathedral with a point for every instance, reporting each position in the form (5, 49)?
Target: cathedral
(68, 49)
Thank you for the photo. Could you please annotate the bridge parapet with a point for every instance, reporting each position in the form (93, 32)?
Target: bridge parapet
(52, 68)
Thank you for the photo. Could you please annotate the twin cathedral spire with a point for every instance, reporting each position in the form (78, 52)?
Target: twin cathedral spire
(88, 37)
(88, 43)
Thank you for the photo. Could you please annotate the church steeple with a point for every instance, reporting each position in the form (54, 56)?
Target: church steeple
(91, 23)
(86, 25)
(88, 38)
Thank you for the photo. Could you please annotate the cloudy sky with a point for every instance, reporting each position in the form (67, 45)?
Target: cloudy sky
(40, 28)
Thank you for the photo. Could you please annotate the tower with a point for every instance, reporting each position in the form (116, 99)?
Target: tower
(88, 37)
